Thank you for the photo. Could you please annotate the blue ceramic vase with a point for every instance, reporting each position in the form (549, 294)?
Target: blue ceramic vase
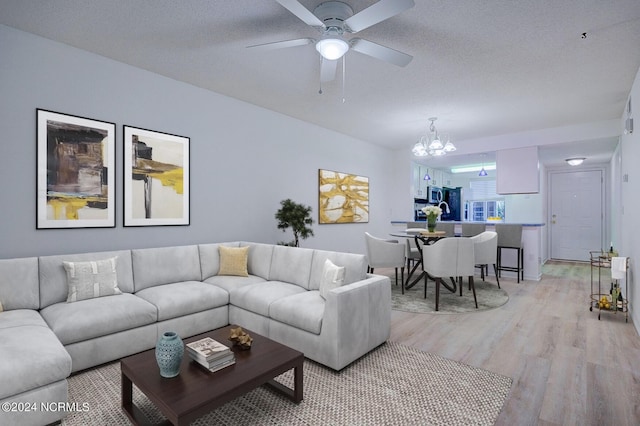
(169, 352)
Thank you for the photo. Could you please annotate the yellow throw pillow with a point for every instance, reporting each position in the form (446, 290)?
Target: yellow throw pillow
(233, 261)
(1, 308)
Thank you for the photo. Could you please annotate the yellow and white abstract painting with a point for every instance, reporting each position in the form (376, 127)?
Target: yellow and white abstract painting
(343, 197)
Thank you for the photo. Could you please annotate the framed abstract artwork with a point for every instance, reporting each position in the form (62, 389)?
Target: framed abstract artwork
(75, 172)
(342, 197)
(156, 178)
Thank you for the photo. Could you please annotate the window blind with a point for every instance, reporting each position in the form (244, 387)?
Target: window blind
(484, 189)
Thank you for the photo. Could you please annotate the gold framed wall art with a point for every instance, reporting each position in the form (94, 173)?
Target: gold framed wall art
(342, 197)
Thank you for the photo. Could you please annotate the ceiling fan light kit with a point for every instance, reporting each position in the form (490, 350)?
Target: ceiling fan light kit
(332, 48)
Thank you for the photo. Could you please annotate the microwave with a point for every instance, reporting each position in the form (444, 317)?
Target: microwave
(434, 194)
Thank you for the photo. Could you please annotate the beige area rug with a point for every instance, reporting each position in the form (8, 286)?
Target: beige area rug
(487, 292)
(392, 385)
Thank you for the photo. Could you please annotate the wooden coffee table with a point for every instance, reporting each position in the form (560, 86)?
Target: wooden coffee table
(196, 391)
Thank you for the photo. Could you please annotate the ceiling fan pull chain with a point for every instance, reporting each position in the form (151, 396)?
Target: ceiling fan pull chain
(320, 77)
(344, 73)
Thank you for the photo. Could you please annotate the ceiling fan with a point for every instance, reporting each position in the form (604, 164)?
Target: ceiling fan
(334, 19)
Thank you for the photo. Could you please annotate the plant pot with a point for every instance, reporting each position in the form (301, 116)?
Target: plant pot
(169, 352)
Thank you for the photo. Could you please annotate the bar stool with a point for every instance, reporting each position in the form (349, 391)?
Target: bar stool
(472, 229)
(510, 237)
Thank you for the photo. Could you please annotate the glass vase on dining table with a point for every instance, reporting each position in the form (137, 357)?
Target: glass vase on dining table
(431, 222)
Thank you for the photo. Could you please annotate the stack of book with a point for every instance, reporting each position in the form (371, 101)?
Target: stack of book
(211, 354)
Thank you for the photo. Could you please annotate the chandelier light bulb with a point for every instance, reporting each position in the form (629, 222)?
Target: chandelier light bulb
(436, 144)
(419, 150)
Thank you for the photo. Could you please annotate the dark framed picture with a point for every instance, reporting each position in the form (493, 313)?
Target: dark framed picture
(75, 172)
(156, 178)
(342, 197)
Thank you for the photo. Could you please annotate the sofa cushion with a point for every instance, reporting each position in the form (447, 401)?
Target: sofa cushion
(304, 311)
(91, 318)
(355, 266)
(291, 265)
(31, 354)
(53, 277)
(332, 277)
(258, 297)
(210, 258)
(165, 265)
(229, 282)
(19, 287)
(94, 278)
(260, 256)
(185, 298)
(233, 261)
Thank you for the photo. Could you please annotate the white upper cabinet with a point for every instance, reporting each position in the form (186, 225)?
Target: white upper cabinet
(517, 171)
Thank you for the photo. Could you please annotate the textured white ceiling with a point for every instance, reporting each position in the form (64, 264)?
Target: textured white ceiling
(484, 68)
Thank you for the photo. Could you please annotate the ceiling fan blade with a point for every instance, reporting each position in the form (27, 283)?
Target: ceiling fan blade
(328, 70)
(380, 52)
(302, 13)
(282, 44)
(377, 12)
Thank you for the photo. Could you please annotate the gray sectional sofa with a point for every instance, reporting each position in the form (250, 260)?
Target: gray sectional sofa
(44, 338)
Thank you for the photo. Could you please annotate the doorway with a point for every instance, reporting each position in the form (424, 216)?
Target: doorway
(576, 214)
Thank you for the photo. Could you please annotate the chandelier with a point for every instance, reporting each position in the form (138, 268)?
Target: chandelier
(432, 144)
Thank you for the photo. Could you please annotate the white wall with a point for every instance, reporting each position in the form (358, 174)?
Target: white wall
(244, 159)
(629, 204)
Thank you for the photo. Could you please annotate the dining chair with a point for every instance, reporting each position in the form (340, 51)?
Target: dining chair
(485, 249)
(385, 254)
(412, 254)
(449, 257)
(471, 229)
(422, 224)
(510, 237)
(448, 227)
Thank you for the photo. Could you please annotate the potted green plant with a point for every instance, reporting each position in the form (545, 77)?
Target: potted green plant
(298, 218)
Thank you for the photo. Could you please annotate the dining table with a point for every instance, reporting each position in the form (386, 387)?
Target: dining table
(425, 237)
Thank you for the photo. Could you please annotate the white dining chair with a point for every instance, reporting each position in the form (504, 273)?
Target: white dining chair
(485, 249)
(385, 254)
(449, 257)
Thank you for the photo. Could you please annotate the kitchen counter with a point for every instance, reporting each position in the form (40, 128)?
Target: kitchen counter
(458, 222)
(531, 243)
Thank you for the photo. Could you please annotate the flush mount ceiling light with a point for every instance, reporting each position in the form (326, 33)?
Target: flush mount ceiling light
(576, 161)
(431, 143)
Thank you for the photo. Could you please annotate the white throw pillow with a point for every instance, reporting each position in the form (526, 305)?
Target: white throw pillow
(87, 280)
(332, 277)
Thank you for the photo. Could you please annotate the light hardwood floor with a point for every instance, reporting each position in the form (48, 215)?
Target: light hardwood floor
(568, 368)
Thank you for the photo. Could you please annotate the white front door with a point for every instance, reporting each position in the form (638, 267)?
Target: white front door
(576, 214)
